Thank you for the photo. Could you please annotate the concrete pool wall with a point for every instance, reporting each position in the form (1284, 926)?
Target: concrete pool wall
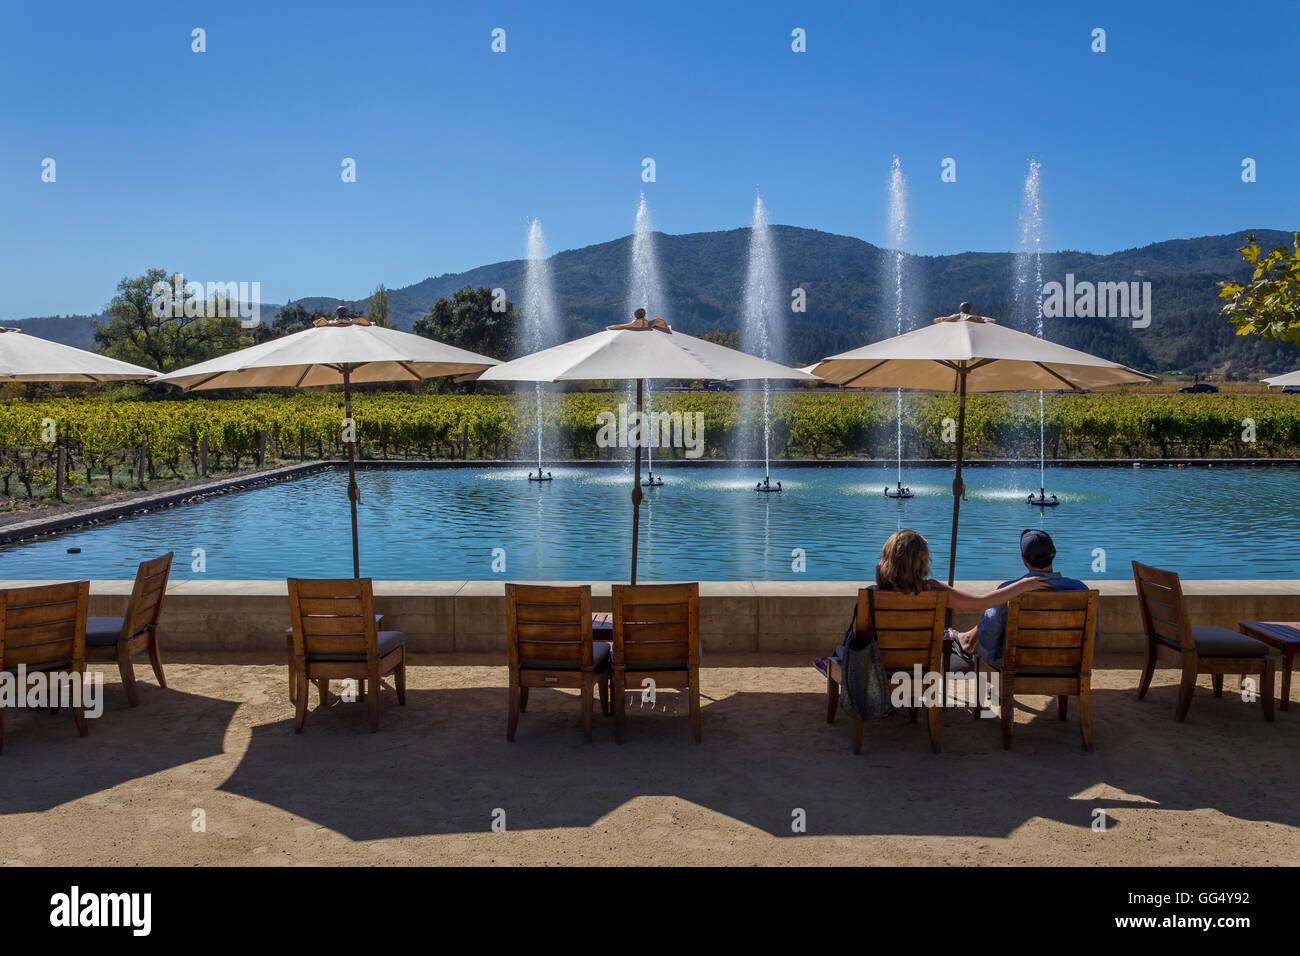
(736, 617)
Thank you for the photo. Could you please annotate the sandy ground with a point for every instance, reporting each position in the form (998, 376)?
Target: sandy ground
(1218, 789)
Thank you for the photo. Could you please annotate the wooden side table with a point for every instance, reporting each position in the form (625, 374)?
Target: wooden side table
(1283, 636)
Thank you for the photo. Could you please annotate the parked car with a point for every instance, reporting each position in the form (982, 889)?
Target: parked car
(1200, 388)
(720, 387)
(1291, 389)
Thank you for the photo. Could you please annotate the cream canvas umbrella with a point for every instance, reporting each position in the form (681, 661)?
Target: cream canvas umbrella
(1278, 381)
(969, 353)
(26, 358)
(337, 352)
(642, 349)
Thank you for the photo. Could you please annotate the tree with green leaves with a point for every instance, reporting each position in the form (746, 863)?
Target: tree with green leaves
(729, 339)
(1269, 304)
(141, 325)
(473, 319)
(294, 317)
(377, 312)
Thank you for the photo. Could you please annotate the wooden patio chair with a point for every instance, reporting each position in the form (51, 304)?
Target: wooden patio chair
(119, 639)
(335, 637)
(909, 631)
(657, 636)
(44, 629)
(1196, 649)
(549, 644)
(288, 656)
(1048, 649)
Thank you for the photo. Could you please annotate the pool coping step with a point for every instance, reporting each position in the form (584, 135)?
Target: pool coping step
(95, 514)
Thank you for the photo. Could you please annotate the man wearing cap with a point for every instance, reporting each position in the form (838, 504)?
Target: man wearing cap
(1038, 552)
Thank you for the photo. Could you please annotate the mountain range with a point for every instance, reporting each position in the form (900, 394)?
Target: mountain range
(849, 292)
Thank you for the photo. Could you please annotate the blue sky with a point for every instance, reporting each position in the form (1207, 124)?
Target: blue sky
(226, 164)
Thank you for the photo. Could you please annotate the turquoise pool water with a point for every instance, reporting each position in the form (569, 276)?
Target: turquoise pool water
(705, 523)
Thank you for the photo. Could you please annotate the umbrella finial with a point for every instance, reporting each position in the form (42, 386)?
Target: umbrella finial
(963, 314)
(340, 318)
(640, 323)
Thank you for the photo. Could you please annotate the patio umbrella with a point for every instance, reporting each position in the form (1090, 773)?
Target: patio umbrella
(969, 353)
(333, 352)
(26, 358)
(1278, 381)
(642, 349)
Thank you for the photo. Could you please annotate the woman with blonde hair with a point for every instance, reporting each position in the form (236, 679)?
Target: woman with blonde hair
(904, 566)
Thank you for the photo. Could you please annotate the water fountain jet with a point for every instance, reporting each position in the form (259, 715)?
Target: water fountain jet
(762, 327)
(894, 270)
(646, 292)
(1031, 251)
(541, 319)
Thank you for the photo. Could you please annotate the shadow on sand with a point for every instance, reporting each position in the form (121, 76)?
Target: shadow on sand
(45, 763)
(442, 765)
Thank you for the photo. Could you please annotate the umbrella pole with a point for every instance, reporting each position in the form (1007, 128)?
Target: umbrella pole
(354, 494)
(958, 489)
(636, 480)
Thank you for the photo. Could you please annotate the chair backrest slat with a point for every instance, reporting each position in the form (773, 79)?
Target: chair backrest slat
(533, 612)
(548, 626)
(345, 605)
(551, 632)
(1164, 612)
(1051, 629)
(909, 627)
(44, 624)
(1067, 635)
(334, 626)
(656, 625)
(333, 616)
(656, 632)
(147, 595)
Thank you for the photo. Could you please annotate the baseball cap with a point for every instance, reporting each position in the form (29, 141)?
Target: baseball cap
(1036, 546)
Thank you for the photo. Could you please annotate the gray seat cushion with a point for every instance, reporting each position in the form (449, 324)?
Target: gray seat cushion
(102, 631)
(600, 653)
(389, 641)
(1213, 641)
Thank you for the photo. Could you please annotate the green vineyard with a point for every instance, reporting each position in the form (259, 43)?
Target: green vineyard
(108, 440)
